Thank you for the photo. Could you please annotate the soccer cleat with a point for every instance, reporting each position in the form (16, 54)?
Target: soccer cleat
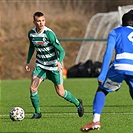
(80, 108)
(36, 116)
(91, 126)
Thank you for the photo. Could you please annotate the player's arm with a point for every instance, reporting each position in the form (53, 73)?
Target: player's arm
(107, 56)
(59, 48)
(61, 51)
(30, 54)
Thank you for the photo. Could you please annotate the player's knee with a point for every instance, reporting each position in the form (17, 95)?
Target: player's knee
(60, 90)
(34, 85)
(60, 93)
(101, 90)
(33, 89)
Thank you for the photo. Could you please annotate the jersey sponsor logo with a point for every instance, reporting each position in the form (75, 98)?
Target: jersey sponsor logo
(40, 43)
(39, 40)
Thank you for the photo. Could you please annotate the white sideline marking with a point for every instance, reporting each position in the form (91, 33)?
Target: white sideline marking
(69, 114)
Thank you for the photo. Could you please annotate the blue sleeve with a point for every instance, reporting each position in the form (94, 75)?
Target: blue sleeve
(107, 55)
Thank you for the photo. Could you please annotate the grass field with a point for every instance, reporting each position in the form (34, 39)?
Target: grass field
(60, 116)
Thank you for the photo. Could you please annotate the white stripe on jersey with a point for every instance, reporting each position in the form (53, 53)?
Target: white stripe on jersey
(125, 56)
(125, 67)
(46, 56)
(37, 35)
(44, 49)
(47, 68)
(53, 62)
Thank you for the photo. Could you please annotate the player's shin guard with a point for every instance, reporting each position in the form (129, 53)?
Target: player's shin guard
(69, 97)
(35, 101)
(98, 102)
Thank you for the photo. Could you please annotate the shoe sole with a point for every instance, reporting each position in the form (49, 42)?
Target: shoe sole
(97, 127)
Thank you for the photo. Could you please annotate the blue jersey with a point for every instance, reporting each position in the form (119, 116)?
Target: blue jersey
(120, 39)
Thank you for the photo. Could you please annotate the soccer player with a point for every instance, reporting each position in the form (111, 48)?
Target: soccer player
(111, 77)
(49, 56)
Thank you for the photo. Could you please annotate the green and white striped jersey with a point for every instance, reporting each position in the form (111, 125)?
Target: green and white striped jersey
(48, 48)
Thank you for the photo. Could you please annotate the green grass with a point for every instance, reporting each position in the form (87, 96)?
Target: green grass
(60, 116)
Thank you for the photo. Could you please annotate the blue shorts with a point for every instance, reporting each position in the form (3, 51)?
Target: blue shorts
(114, 80)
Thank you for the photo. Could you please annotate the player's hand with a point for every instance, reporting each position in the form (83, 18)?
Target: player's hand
(59, 66)
(99, 82)
(27, 67)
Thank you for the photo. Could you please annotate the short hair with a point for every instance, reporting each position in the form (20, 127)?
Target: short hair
(38, 14)
(127, 19)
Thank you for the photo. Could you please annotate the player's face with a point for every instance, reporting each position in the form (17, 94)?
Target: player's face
(39, 22)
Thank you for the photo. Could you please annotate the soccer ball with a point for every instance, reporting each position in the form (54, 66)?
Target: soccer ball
(17, 114)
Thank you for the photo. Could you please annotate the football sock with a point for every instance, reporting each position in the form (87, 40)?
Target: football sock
(35, 101)
(96, 117)
(98, 102)
(69, 97)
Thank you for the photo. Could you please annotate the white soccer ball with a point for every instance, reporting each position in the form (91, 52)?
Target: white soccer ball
(17, 114)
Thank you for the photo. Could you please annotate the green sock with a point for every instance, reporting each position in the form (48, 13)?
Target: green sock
(35, 101)
(69, 97)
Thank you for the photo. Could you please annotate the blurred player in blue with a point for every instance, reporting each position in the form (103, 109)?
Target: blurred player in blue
(111, 77)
